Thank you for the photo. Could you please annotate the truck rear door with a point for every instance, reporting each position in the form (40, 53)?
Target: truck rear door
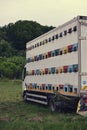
(84, 55)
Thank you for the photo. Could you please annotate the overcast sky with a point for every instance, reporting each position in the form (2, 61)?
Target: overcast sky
(45, 12)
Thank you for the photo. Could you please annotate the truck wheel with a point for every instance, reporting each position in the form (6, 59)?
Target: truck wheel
(24, 97)
(52, 105)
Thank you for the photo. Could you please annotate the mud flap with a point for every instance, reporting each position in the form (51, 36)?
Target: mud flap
(82, 106)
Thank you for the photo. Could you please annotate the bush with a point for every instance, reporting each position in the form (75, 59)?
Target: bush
(11, 67)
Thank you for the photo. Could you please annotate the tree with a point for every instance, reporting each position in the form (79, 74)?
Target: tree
(21, 32)
(11, 67)
(13, 38)
(5, 49)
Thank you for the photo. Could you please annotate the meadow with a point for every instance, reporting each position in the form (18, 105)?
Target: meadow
(18, 115)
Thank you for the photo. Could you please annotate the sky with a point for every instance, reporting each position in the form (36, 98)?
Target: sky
(45, 12)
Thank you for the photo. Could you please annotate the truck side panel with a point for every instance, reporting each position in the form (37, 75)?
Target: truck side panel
(68, 59)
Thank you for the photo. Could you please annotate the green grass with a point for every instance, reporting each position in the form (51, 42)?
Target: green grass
(18, 115)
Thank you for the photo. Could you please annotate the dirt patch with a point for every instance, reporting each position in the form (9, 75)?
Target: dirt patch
(36, 119)
(5, 119)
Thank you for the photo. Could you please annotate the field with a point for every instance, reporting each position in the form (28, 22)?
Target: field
(18, 115)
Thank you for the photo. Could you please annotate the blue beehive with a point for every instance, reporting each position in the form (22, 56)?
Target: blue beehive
(75, 47)
(75, 68)
(29, 60)
(53, 53)
(33, 85)
(37, 71)
(40, 57)
(53, 70)
(70, 88)
(56, 52)
(46, 86)
(50, 86)
(70, 68)
(65, 88)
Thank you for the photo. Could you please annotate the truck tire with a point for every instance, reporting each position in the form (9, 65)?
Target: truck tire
(52, 105)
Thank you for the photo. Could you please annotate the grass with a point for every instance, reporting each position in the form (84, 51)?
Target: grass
(18, 115)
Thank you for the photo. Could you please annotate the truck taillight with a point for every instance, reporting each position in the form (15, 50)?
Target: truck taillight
(85, 100)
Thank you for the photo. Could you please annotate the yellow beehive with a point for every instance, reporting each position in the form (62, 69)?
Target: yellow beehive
(56, 70)
(60, 69)
(42, 71)
(65, 50)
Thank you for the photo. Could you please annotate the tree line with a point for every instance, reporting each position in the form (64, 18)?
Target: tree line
(13, 38)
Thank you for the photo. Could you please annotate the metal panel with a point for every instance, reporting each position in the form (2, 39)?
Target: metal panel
(56, 61)
(84, 55)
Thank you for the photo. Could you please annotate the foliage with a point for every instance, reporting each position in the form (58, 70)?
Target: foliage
(6, 49)
(13, 38)
(21, 32)
(17, 115)
(11, 67)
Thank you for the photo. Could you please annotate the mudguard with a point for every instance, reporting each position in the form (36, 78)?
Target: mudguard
(82, 104)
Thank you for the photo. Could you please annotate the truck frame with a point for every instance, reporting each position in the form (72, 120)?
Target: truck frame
(55, 73)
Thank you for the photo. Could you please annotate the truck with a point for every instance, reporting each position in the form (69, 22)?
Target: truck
(55, 73)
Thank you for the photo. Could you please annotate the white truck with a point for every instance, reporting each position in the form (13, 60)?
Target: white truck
(55, 73)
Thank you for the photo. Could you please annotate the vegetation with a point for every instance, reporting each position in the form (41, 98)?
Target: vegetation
(11, 67)
(13, 38)
(18, 115)
(19, 33)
